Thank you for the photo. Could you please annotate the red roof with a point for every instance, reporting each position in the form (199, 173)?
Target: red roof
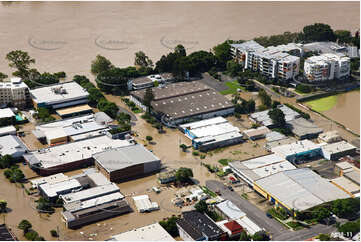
(234, 227)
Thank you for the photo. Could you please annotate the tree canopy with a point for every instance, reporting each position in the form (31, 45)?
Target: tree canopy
(318, 32)
(278, 117)
(21, 61)
(184, 175)
(100, 64)
(142, 60)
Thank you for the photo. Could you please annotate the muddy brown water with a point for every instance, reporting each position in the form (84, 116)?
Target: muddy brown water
(347, 110)
(66, 36)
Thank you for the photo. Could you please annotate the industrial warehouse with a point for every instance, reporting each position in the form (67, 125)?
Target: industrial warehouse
(212, 133)
(125, 163)
(70, 156)
(178, 102)
(257, 168)
(298, 189)
(59, 95)
(264, 119)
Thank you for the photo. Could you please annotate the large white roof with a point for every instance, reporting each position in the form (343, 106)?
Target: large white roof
(73, 91)
(6, 113)
(59, 177)
(300, 189)
(152, 232)
(53, 189)
(295, 148)
(74, 151)
(230, 210)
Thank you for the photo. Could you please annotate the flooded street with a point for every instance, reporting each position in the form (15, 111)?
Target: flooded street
(66, 36)
(347, 110)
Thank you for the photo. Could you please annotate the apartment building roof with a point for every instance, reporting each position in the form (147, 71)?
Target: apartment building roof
(62, 92)
(6, 113)
(74, 151)
(324, 59)
(14, 83)
(192, 104)
(152, 232)
(300, 189)
(248, 45)
(122, 157)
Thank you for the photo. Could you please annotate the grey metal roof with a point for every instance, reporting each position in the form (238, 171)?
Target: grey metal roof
(302, 127)
(120, 158)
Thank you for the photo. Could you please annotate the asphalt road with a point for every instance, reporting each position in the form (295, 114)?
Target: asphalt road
(254, 213)
(276, 230)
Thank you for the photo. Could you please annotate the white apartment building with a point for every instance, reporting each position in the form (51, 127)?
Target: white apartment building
(14, 92)
(273, 61)
(327, 67)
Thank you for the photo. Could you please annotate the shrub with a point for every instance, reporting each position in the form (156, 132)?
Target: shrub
(54, 233)
(149, 138)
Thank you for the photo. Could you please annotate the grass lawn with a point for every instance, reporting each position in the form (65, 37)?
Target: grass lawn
(323, 104)
(232, 88)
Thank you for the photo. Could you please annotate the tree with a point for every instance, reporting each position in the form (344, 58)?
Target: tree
(3, 206)
(349, 229)
(265, 98)
(100, 64)
(303, 88)
(201, 206)
(181, 67)
(142, 60)
(183, 175)
(343, 36)
(345, 208)
(318, 32)
(321, 213)
(3, 76)
(183, 147)
(94, 96)
(200, 61)
(278, 117)
(180, 51)
(24, 225)
(261, 236)
(222, 52)
(123, 117)
(170, 226)
(244, 236)
(6, 161)
(324, 237)
(21, 61)
(54, 233)
(148, 98)
(233, 68)
(149, 138)
(107, 107)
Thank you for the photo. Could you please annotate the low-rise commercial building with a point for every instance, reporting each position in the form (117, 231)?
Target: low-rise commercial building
(126, 162)
(178, 102)
(347, 185)
(349, 171)
(264, 119)
(257, 133)
(299, 151)
(12, 145)
(70, 129)
(152, 232)
(97, 209)
(14, 92)
(59, 95)
(53, 190)
(337, 150)
(66, 157)
(256, 168)
(167, 176)
(150, 81)
(304, 129)
(94, 192)
(232, 228)
(288, 140)
(196, 226)
(327, 67)
(7, 130)
(274, 136)
(144, 204)
(298, 189)
(229, 210)
(212, 133)
(60, 177)
(248, 225)
(330, 137)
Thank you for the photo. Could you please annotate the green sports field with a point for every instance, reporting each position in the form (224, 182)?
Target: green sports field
(323, 104)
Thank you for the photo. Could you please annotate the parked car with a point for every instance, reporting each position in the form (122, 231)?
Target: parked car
(230, 188)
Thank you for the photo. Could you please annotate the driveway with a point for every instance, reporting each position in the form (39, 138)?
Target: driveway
(212, 82)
